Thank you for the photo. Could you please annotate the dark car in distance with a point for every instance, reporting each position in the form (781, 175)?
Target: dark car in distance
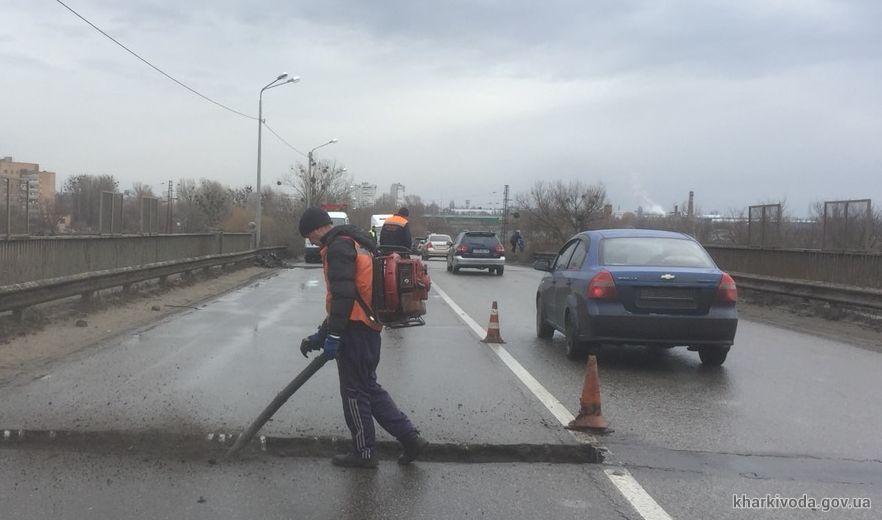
(637, 286)
(476, 250)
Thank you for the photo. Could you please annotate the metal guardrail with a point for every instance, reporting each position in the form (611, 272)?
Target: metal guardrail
(19, 296)
(855, 269)
(832, 293)
(543, 255)
(25, 259)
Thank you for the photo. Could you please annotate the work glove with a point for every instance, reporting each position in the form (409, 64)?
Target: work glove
(312, 343)
(332, 345)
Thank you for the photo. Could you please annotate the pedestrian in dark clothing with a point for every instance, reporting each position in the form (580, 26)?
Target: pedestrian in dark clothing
(351, 335)
(396, 230)
(516, 240)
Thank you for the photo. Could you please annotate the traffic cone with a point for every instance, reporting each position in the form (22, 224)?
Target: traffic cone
(493, 328)
(590, 418)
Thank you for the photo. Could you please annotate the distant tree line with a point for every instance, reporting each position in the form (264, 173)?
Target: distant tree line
(547, 214)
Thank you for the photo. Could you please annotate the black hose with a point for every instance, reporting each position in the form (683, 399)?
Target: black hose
(277, 403)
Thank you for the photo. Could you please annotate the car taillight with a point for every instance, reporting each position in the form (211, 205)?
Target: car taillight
(500, 249)
(462, 249)
(602, 286)
(726, 291)
(429, 245)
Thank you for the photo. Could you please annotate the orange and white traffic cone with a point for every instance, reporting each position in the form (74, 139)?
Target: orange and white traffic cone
(590, 417)
(493, 335)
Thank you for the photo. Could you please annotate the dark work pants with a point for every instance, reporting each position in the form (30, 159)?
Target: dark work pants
(363, 398)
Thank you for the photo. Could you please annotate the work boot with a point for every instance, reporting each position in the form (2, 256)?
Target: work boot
(413, 445)
(354, 460)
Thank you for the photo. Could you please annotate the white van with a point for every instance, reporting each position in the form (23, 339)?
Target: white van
(377, 222)
(311, 251)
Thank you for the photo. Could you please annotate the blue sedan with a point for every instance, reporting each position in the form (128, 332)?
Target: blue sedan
(637, 286)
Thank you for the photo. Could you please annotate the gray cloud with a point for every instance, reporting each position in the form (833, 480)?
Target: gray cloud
(740, 101)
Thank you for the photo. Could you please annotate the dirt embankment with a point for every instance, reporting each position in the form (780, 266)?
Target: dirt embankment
(52, 331)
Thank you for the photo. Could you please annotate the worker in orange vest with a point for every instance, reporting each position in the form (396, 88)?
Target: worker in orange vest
(351, 335)
(396, 230)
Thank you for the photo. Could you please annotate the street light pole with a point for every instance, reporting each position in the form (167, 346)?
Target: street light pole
(309, 179)
(259, 212)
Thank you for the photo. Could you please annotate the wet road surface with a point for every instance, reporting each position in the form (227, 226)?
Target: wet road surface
(788, 413)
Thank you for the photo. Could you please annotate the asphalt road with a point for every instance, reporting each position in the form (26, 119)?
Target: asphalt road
(788, 413)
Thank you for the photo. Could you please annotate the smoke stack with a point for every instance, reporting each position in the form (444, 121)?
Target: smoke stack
(691, 207)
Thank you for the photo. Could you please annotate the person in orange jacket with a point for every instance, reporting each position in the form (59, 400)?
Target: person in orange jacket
(396, 230)
(351, 335)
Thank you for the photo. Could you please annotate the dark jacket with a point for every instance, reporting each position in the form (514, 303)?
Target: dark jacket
(396, 232)
(341, 273)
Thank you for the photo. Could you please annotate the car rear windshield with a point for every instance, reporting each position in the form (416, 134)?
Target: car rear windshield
(338, 221)
(439, 238)
(654, 251)
(488, 241)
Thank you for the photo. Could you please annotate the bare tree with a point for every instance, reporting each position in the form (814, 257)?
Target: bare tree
(328, 182)
(81, 196)
(557, 210)
(187, 210)
(214, 201)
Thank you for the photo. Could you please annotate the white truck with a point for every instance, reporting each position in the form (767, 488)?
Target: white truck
(377, 222)
(311, 251)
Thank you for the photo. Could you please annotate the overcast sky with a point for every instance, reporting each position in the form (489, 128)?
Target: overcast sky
(743, 101)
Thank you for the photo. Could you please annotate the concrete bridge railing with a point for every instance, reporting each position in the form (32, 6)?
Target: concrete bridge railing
(29, 259)
(830, 267)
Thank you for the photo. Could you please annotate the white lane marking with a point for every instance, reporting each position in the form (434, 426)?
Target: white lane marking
(633, 492)
(558, 410)
(636, 495)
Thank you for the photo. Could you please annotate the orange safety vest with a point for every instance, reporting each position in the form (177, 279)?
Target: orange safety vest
(396, 220)
(364, 283)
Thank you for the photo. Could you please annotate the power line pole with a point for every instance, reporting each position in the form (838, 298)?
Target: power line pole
(169, 212)
(504, 214)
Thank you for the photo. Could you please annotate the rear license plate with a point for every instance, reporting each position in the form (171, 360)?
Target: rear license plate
(481, 251)
(666, 298)
(677, 293)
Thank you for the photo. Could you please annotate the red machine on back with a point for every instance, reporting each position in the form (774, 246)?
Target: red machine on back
(401, 288)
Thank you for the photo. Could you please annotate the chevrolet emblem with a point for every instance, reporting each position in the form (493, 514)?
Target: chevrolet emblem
(667, 276)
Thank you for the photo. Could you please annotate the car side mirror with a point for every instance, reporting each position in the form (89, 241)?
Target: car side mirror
(449, 243)
(542, 265)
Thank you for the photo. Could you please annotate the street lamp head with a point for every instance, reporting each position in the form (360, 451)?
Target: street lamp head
(282, 76)
(295, 79)
(333, 141)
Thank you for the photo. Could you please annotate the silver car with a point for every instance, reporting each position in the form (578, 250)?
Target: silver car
(436, 245)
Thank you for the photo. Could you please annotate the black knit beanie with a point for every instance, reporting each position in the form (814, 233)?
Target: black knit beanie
(404, 212)
(312, 219)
